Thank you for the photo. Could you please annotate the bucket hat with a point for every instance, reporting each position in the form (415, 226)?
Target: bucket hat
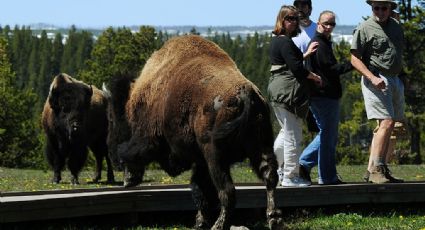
(393, 3)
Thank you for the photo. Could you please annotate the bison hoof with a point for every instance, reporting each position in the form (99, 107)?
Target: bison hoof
(111, 178)
(96, 180)
(275, 219)
(276, 224)
(238, 228)
(74, 181)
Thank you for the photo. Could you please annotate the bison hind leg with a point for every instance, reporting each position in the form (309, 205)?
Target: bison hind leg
(76, 162)
(265, 167)
(100, 151)
(110, 173)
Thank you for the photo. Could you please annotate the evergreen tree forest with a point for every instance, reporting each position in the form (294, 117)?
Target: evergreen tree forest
(28, 63)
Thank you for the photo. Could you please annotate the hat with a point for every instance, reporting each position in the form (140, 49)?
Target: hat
(299, 1)
(393, 3)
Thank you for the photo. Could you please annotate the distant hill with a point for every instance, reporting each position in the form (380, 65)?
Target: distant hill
(340, 32)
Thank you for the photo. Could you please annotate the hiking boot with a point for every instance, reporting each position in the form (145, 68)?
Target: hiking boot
(377, 176)
(366, 176)
(305, 173)
(391, 178)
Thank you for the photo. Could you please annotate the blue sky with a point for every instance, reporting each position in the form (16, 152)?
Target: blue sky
(103, 13)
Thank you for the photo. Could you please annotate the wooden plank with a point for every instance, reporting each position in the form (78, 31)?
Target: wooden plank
(44, 205)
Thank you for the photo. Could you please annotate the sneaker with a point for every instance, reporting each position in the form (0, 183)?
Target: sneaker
(280, 174)
(305, 173)
(336, 182)
(295, 181)
(392, 179)
(377, 176)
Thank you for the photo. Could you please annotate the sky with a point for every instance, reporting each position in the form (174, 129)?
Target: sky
(104, 13)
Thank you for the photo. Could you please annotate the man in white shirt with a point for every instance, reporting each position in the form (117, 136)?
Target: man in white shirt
(308, 27)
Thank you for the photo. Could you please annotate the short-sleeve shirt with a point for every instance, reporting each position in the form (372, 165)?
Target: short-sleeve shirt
(303, 39)
(380, 46)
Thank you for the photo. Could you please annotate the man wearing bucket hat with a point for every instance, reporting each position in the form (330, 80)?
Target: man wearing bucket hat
(376, 52)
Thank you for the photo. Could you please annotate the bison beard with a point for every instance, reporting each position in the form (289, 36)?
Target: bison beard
(191, 108)
(73, 119)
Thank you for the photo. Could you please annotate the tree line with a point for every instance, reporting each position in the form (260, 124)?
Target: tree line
(28, 64)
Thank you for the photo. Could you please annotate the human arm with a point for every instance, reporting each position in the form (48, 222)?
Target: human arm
(361, 67)
(312, 47)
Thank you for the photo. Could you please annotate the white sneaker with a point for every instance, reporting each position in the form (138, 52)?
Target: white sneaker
(280, 174)
(295, 181)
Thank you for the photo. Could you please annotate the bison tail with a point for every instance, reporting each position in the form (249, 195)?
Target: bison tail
(251, 132)
(233, 131)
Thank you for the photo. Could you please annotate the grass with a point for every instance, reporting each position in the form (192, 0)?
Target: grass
(409, 216)
(13, 180)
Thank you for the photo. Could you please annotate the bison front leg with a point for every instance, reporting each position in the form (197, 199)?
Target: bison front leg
(266, 169)
(55, 158)
(204, 195)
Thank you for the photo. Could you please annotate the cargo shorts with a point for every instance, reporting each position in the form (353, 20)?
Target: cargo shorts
(385, 103)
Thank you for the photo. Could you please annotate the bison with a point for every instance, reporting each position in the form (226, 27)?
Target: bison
(191, 108)
(74, 118)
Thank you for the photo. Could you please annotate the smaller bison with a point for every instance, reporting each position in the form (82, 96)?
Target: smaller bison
(74, 118)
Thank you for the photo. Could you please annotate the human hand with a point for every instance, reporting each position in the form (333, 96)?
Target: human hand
(316, 79)
(312, 47)
(378, 82)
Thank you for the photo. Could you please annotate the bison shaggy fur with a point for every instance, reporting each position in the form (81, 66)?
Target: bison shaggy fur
(191, 108)
(74, 118)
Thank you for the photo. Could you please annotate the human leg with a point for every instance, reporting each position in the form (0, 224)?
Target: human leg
(379, 105)
(288, 145)
(326, 111)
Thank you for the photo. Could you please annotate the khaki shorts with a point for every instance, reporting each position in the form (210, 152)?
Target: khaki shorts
(384, 104)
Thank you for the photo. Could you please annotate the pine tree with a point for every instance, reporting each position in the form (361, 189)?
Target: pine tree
(57, 53)
(19, 142)
(69, 62)
(118, 53)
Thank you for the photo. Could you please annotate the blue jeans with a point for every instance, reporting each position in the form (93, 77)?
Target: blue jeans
(321, 151)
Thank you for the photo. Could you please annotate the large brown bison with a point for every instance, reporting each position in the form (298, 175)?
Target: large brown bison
(191, 108)
(74, 118)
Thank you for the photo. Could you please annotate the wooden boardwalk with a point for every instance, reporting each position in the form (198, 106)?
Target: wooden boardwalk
(46, 205)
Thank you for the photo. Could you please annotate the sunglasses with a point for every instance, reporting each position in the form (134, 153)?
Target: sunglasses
(291, 18)
(333, 24)
(378, 8)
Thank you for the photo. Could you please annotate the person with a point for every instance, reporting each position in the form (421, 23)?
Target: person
(289, 94)
(324, 104)
(376, 52)
(307, 26)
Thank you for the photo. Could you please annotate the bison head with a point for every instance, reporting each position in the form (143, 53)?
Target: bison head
(70, 100)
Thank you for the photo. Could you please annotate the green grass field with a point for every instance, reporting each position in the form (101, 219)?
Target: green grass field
(341, 217)
(36, 180)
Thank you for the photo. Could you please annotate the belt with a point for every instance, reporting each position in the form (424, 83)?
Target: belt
(277, 68)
